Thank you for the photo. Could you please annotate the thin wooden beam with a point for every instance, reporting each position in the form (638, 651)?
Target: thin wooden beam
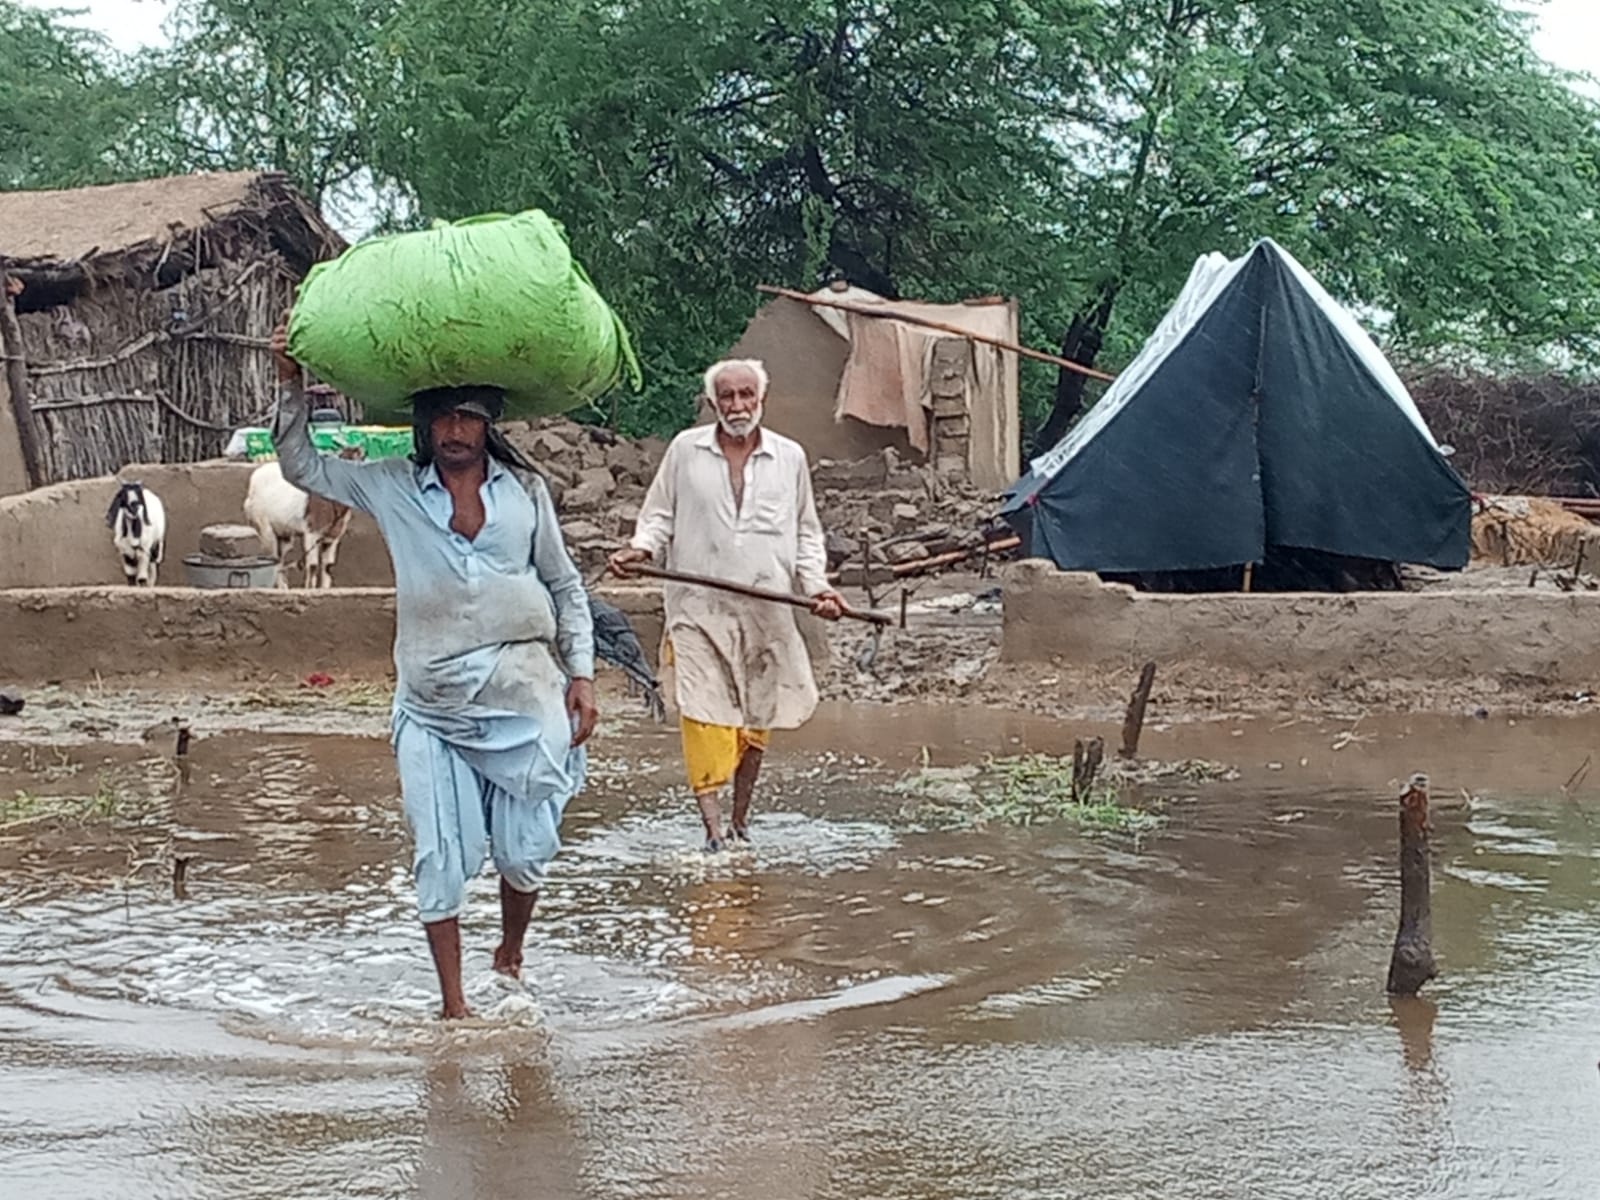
(892, 314)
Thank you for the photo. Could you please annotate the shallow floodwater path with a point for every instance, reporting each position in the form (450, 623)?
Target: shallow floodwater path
(861, 1007)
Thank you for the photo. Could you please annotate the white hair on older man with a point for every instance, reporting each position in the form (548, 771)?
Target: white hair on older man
(754, 365)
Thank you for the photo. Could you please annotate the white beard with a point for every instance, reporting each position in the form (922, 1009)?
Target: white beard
(743, 426)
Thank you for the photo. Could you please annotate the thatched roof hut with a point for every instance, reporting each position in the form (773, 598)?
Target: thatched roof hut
(145, 311)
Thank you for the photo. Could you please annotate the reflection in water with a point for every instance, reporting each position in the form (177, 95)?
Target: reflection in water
(857, 1008)
(497, 1130)
(1414, 1017)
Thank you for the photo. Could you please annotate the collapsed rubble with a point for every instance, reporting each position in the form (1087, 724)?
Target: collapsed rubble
(900, 513)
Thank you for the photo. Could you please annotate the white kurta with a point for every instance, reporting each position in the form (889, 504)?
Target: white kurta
(738, 661)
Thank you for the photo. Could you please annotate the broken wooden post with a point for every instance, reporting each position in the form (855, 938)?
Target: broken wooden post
(16, 365)
(1086, 760)
(1411, 965)
(1133, 723)
(905, 596)
(866, 569)
(1249, 574)
(180, 876)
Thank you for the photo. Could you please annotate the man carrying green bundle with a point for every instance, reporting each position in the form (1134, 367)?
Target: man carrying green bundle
(493, 651)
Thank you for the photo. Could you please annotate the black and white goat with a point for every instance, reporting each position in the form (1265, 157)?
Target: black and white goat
(138, 523)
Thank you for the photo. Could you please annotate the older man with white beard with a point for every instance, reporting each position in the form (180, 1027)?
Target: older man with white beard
(733, 500)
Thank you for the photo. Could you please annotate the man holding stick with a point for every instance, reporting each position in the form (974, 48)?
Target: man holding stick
(733, 500)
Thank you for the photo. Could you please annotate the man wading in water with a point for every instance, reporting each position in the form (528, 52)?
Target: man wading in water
(734, 500)
(493, 652)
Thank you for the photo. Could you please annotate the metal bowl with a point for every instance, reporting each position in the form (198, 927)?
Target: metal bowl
(209, 571)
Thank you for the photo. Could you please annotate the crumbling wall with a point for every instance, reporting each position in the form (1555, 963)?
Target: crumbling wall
(1438, 635)
(186, 634)
(805, 360)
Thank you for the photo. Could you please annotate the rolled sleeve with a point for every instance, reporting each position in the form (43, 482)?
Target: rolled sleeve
(336, 479)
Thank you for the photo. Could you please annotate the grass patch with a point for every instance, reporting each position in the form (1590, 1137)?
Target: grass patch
(109, 801)
(1036, 789)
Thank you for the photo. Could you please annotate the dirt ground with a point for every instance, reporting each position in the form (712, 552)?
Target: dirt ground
(947, 655)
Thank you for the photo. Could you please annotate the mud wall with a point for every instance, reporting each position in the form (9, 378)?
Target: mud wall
(178, 634)
(1438, 635)
(805, 359)
(57, 537)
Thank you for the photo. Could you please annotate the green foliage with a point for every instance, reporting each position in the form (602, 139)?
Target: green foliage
(266, 84)
(66, 118)
(1036, 789)
(1078, 154)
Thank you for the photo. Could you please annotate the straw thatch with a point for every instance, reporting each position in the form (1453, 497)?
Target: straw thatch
(1522, 530)
(146, 309)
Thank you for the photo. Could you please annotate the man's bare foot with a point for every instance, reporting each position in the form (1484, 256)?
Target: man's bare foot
(507, 963)
(455, 1012)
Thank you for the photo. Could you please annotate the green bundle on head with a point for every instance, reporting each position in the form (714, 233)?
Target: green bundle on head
(494, 300)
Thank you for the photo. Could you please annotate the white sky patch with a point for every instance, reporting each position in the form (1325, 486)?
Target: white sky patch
(1568, 35)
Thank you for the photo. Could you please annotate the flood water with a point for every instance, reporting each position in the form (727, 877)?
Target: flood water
(863, 1007)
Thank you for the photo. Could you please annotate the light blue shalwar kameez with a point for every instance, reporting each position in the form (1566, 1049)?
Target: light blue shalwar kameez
(488, 632)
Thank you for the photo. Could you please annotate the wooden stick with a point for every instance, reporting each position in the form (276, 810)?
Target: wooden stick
(1411, 964)
(910, 319)
(1086, 760)
(742, 589)
(1249, 574)
(1133, 723)
(952, 556)
(17, 383)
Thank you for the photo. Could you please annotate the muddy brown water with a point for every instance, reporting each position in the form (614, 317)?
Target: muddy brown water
(866, 1006)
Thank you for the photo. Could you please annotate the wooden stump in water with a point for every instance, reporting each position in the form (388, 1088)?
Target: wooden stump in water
(1133, 723)
(1086, 760)
(1411, 964)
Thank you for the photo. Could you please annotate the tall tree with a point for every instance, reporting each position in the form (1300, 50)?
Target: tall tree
(696, 147)
(1416, 153)
(269, 84)
(66, 118)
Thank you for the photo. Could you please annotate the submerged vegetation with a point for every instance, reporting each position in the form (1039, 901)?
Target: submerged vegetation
(1124, 798)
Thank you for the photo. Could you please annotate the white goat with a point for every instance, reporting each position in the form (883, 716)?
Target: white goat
(138, 523)
(281, 512)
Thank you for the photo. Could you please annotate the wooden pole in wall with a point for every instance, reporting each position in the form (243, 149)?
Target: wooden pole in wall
(17, 384)
(1249, 573)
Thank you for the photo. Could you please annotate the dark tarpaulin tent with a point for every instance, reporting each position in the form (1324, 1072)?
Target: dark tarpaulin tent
(1258, 419)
